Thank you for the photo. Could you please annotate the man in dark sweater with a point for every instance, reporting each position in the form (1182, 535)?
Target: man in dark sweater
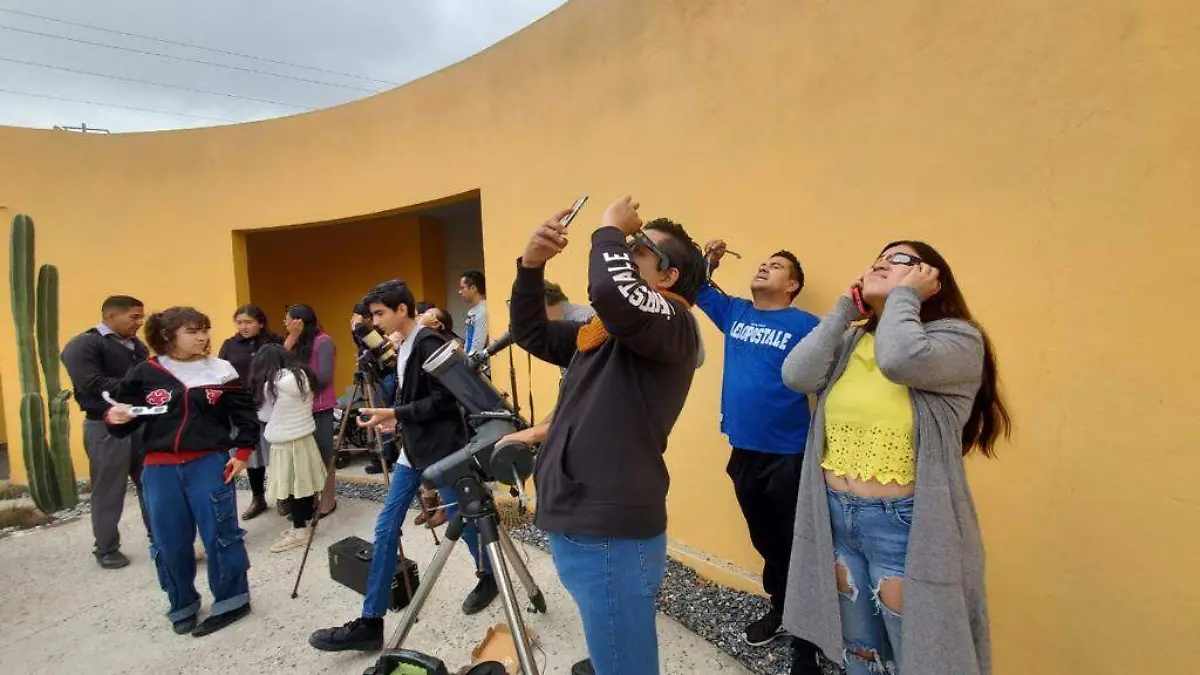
(96, 360)
(601, 478)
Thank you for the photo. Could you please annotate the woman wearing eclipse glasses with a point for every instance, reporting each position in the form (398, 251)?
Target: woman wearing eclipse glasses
(887, 561)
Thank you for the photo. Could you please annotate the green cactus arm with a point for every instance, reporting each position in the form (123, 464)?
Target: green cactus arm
(43, 487)
(21, 286)
(47, 328)
(60, 452)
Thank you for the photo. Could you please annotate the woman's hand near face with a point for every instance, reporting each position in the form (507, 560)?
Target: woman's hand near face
(923, 279)
(294, 327)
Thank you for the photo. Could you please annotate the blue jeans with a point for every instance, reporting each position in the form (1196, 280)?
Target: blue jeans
(184, 498)
(870, 541)
(405, 481)
(614, 582)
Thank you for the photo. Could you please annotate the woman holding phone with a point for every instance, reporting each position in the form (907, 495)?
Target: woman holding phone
(187, 405)
(887, 560)
(314, 347)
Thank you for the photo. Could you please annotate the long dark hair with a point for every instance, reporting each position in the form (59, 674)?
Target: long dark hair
(161, 327)
(308, 337)
(989, 414)
(268, 361)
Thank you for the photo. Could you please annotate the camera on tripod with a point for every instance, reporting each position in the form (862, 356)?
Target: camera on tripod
(376, 352)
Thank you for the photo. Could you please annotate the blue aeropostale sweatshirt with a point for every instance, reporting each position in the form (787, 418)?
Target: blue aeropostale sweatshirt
(757, 411)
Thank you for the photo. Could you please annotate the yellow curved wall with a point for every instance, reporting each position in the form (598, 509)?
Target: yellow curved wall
(1049, 149)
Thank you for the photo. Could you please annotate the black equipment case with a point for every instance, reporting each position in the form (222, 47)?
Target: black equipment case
(350, 563)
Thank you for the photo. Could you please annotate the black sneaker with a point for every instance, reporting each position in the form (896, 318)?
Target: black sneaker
(485, 591)
(216, 622)
(375, 466)
(584, 667)
(805, 659)
(112, 561)
(185, 625)
(361, 634)
(766, 630)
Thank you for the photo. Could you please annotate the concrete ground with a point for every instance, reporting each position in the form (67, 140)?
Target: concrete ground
(60, 613)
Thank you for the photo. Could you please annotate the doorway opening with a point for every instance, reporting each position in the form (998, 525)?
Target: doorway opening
(331, 265)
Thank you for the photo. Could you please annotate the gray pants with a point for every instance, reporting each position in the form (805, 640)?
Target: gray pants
(112, 462)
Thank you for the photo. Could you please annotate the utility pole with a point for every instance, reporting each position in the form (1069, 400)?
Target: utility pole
(83, 129)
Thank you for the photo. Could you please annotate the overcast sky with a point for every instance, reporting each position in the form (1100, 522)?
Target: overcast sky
(352, 48)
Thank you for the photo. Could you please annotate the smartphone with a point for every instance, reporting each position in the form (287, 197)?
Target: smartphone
(566, 221)
(857, 295)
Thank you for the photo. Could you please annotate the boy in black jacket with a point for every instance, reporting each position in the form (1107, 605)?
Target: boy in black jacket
(432, 427)
(96, 360)
(601, 479)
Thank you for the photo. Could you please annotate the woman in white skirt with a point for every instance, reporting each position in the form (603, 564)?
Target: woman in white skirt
(283, 389)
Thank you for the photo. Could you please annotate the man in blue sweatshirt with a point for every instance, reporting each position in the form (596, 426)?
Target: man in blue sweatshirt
(767, 423)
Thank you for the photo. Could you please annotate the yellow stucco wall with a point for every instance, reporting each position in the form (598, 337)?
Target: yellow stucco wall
(1049, 149)
(330, 267)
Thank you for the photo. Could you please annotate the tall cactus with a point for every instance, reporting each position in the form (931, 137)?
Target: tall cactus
(60, 415)
(48, 464)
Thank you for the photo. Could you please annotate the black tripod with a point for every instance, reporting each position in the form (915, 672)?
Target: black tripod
(477, 506)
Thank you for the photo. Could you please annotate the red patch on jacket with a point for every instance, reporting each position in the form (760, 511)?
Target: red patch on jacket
(213, 395)
(158, 397)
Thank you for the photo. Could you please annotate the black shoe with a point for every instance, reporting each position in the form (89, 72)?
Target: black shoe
(483, 595)
(362, 634)
(112, 561)
(185, 625)
(374, 467)
(805, 660)
(766, 630)
(584, 667)
(218, 621)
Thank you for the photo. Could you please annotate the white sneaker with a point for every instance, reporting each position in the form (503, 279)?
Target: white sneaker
(293, 538)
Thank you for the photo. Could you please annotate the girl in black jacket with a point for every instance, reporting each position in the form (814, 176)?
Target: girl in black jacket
(188, 406)
(239, 350)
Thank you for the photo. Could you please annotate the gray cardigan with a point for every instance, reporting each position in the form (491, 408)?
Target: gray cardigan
(945, 620)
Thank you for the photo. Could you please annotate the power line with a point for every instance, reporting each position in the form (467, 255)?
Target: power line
(114, 105)
(194, 46)
(184, 58)
(156, 84)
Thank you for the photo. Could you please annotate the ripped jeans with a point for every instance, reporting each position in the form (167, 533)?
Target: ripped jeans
(184, 499)
(870, 542)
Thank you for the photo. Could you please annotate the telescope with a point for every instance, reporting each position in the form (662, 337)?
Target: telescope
(483, 458)
(490, 418)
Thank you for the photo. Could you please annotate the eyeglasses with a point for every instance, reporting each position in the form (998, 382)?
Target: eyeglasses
(899, 258)
(640, 239)
(136, 410)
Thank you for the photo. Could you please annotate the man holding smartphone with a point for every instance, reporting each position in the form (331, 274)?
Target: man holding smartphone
(766, 423)
(601, 479)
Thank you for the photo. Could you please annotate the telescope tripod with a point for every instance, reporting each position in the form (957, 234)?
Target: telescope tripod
(477, 506)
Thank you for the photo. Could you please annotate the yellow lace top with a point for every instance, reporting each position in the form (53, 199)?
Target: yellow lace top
(869, 423)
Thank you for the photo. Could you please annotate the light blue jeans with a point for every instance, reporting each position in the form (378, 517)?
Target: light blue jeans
(614, 582)
(870, 540)
(405, 481)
